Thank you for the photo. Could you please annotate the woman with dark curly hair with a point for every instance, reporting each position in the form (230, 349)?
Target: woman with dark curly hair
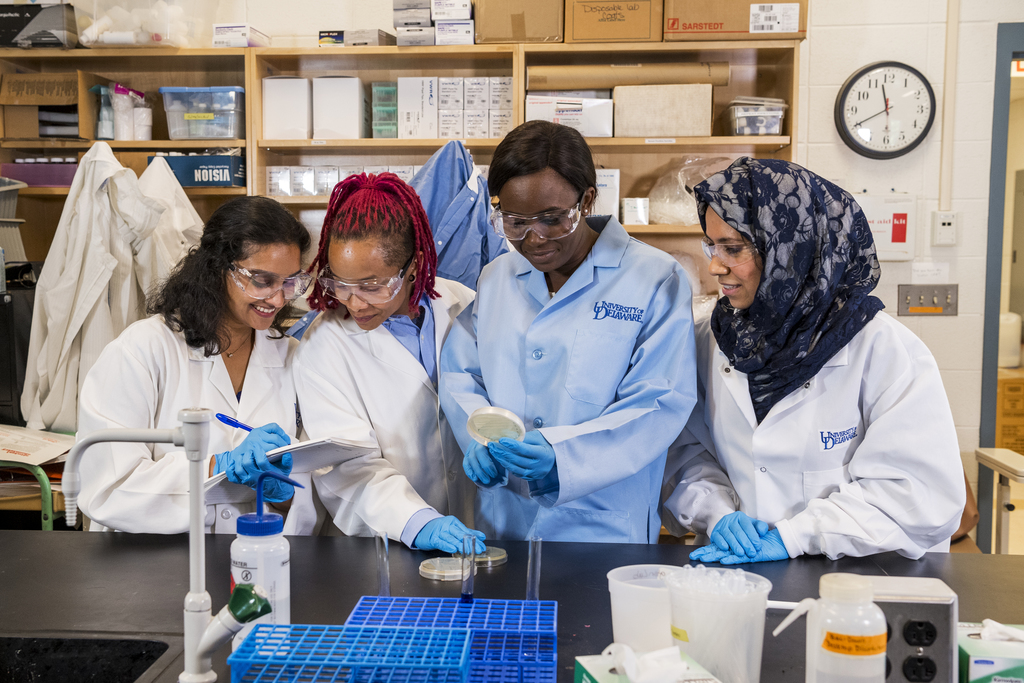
(214, 340)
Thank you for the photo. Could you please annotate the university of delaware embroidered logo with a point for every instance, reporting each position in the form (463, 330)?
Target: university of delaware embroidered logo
(832, 439)
(605, 309)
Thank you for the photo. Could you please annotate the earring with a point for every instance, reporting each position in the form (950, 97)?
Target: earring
(412, 278)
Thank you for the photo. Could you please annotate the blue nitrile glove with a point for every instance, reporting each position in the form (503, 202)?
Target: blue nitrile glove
(480, 467)
(772, 549)
(708, 553)
(244, 464)
(446, 534)
(530, 459)
(739, 534)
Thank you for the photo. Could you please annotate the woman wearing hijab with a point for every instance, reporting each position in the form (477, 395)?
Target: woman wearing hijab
(828, 415)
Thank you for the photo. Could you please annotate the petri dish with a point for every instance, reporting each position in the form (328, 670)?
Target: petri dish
(492, 557)
(442, 569)
(491, 424)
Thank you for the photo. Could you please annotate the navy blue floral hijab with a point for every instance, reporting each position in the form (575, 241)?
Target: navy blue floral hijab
(819, 270)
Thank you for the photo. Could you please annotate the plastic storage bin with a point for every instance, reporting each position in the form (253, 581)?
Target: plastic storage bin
(205, 113)
(385, 92)
(145, 23)
(385, 130)
(756, 116)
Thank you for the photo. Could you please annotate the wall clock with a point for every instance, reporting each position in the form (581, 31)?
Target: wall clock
(884, 110)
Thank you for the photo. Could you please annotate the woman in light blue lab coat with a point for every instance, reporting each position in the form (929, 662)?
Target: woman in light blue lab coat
(583, 332)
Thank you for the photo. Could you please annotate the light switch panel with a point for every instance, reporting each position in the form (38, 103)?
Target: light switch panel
(928, 299)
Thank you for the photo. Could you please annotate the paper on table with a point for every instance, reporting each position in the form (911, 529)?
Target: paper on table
(33, 447)
(308, 456)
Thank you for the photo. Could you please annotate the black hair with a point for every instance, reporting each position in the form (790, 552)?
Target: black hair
(193, 300)
(536, 145)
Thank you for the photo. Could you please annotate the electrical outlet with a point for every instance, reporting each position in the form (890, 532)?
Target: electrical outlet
(944, 226)
(928, 300)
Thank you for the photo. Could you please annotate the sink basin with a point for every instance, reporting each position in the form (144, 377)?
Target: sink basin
(85, 658)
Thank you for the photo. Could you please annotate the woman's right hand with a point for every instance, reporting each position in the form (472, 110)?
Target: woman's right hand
(481, 467)
(244, 464)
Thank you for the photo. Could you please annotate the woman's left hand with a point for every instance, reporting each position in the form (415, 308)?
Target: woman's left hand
(530, 459)
(772, 549)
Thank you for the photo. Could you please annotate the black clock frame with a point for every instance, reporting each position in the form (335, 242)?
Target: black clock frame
(856, 145)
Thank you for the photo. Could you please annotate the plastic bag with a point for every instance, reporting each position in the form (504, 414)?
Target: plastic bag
(672, 201)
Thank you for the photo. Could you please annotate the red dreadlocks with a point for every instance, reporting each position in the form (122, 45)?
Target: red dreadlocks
(376, 205)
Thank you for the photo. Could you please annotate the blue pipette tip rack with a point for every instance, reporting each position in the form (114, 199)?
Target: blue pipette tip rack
(351, 654)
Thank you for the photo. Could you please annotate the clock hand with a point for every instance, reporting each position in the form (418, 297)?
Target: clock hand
(884, 111)
(884, 97)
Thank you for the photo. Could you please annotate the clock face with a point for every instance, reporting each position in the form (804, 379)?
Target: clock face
(885, 110)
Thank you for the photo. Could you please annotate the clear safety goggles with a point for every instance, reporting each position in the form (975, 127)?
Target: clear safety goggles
(372, 292)
(730, 254)
(550, 225)
(263, 285)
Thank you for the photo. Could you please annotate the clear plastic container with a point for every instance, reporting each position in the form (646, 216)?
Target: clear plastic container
(756, 116)
(385, 92)
(145, 23)
(385, 130)
(385, 113)
(204, 113)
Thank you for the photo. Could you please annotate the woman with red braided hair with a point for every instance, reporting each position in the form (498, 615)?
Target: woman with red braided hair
(366, 369)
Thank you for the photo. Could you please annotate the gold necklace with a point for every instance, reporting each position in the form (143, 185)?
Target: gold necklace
(231, 354)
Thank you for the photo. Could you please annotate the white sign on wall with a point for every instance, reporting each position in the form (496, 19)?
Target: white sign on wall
(893, 222)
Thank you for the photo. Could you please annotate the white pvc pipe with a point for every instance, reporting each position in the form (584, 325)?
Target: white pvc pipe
(949, 105)
(196, 528)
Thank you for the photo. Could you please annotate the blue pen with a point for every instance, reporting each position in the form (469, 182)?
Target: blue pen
(232, 422)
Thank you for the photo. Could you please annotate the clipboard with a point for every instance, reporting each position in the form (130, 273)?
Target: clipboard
(307, 456)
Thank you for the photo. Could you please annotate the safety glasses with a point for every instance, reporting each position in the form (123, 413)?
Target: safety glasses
(730, 254)
(550, 225)
(263, 285)
(372, 292)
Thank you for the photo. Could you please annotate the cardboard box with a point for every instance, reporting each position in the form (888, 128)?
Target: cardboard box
(607, 201)
(478, 123)
(500, 89)
(23, 25)
(417, 35)
(655, 111)
(734, 20)
(450, 10)
(239, 35)
(404, 173)
(341, 110)
(451, 124)
(499, 123)
(597, 669)
(23, 94)
(451, 93)
(417, 108)
(519, 21)
(602, 21)
(405, 18)
(1010, 409)
(369, 36)
(476, 93)
(303, 181)
(207, 171)
(410, 4)
(279, 181)
(331, 38)
(326, 179)
(287, 108)
(592, 118)
(983, 661)
(453, 32)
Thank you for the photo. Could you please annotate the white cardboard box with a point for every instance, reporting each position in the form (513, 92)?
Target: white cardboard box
(341, 110)
(592, 118)
(415, 36)
(326, 179)
(451, 93)
(410, 4)
(303, 181)
(450, 9)
(404, 173)
(376, 170)
(500, 89)
(279, 181)
(454, 32)
(655, 111)
(477, 93)
(451, 124)
(499, 122)
(607, 202)
(477, 123)
(405, 18)
(239, 35)
(347, 171)
(417, 108)
(368, 36)
(586, 94)
(287, 108)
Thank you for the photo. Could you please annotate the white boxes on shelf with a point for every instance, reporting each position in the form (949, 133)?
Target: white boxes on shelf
(326, 179)
(607, 202)
(287, 109)
(368, 36)
(592, 118)
(477, 123)
(451, 93)
(477, 93)
(405, 18)
(499, 122)
(500, 92)
(636, 211)
(450, 9)
(451, 124)
(417, 108)
(303, 181)
(416, 36)
(454, 32)
(651, 111)
(409, 4)
(404, 173)
(341, 110)
(279, 181)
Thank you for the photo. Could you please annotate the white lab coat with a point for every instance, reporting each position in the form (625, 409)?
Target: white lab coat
(116, 235)
(141, 380)
(368, 388)
(862, 459)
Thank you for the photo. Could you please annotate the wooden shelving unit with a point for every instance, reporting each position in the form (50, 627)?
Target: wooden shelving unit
(763, 68)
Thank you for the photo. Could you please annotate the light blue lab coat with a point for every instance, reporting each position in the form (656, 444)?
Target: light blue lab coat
(605, 369)
(458, 206)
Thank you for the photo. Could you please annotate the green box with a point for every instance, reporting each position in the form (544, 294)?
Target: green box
(595, 669)
(989, 661)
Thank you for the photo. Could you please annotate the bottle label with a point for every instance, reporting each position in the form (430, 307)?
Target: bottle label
(858, 646)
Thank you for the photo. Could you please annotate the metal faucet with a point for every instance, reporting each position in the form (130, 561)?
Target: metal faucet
(204, 633)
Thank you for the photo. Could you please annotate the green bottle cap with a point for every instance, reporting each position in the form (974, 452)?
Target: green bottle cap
(248, 603)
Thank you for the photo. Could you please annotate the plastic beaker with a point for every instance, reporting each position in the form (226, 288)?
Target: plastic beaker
(641, 611)
(718, 619)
